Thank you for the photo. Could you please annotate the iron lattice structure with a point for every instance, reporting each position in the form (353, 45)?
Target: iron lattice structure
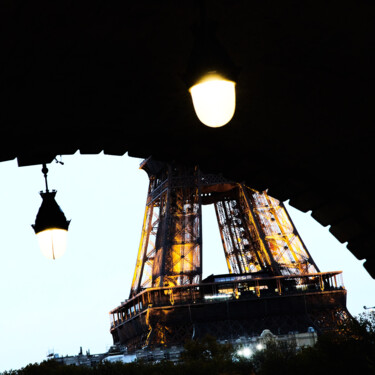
(170, 250)
(273, 282)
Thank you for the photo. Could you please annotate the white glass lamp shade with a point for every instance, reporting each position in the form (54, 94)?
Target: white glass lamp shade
(214, 100)
(52, 242)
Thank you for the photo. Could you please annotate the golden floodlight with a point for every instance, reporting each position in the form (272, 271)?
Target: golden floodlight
(211, 77)
(51, 226)
(214, 99)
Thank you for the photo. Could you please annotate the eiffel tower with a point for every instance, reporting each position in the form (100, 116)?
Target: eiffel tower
(272, 281)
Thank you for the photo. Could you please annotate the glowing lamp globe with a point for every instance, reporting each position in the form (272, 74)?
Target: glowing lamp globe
(214, 100)
(211, 77)
(51, 227)
(52, 242)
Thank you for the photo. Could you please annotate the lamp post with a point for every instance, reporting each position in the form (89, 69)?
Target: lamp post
(51, 226)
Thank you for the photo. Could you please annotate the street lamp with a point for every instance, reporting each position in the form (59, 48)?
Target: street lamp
(51, 226)
(211, 77)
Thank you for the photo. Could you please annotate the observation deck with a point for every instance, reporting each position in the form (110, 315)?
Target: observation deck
(229, 306)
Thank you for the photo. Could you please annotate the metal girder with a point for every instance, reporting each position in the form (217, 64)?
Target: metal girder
(273, 281)
(256, 231)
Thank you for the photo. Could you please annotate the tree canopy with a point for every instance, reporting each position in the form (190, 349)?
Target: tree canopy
(352, 344)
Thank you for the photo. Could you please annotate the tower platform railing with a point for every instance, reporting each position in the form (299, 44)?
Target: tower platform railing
(231, 287)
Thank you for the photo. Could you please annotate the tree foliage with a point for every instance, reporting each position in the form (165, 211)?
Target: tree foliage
(276, 355)
(352, 345)
(207, 349)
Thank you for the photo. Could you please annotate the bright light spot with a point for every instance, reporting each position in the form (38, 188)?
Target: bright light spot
(52, 242)
(218, 296)
(259, 347)
(214, 100)
(246, 352)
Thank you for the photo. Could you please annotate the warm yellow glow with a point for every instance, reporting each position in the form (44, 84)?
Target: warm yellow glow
(52, 242)
(214, 100)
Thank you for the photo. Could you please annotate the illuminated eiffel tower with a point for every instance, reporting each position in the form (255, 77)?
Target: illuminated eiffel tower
(272, 281)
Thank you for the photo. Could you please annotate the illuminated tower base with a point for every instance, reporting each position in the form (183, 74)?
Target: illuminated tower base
(273, 283)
